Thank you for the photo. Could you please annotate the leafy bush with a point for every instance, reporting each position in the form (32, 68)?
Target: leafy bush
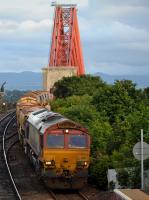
(69, 86)
(114, 115)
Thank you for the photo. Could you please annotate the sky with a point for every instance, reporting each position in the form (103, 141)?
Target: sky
(114, 35)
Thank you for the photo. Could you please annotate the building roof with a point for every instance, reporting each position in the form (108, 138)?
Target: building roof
(131, 194)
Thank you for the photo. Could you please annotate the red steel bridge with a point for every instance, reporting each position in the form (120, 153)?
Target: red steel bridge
(66, 49)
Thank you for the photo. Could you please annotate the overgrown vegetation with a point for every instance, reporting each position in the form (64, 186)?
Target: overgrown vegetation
(8, 101)
(114, 115)
(13, 96)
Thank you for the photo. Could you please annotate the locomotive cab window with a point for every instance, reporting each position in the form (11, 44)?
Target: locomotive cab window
(55, 141)
(77, 141)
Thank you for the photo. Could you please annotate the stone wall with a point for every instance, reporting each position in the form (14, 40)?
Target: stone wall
(53, 74)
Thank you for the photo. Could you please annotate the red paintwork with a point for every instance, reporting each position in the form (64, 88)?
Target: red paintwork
(66, 44)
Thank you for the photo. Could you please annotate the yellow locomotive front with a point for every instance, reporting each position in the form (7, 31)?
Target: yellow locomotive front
(66, 158)
(59, 149)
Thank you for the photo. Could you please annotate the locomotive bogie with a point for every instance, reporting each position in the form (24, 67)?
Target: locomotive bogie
(65, 183)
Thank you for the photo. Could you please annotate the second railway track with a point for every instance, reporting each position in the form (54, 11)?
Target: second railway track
(6, 127)
(17, 178)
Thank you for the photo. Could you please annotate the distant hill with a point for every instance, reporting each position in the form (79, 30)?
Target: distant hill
(33, 80)
(22, 81)
(142, 81)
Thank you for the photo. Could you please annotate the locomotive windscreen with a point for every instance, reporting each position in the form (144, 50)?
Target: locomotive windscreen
(66, 140)
(55, 141)
(77, 141)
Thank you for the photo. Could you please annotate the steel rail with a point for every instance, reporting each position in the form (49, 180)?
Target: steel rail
(83, 196)
(52, 194)
(5, 157)
(6, 116)
(7, 138)
(79, 193)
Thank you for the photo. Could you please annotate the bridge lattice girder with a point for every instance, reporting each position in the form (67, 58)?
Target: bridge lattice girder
(66, 47)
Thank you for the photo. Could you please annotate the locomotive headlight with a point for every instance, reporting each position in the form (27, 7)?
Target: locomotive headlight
(48, 163)
(81, 164)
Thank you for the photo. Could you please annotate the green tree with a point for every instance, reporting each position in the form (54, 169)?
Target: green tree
(69, 86)
(98, 171)
(113, 114)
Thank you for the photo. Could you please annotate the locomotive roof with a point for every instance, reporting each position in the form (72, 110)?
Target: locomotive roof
(43, 119)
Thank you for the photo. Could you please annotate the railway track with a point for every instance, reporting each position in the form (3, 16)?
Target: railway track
(8, 189)
(68, 195)
(11, 132)
(18, 180)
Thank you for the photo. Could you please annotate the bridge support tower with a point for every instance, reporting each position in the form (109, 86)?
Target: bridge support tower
(66, 57)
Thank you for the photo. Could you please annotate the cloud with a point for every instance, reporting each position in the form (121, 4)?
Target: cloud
(132, 12)
(34, 9)
(114, 35)
(126, 32)
(120, 10)
(8, 25)
(26, 33)
(110, 68)
(113, 31)
(24, 56)
(33, 26)
(28, 25)
(80, 3)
